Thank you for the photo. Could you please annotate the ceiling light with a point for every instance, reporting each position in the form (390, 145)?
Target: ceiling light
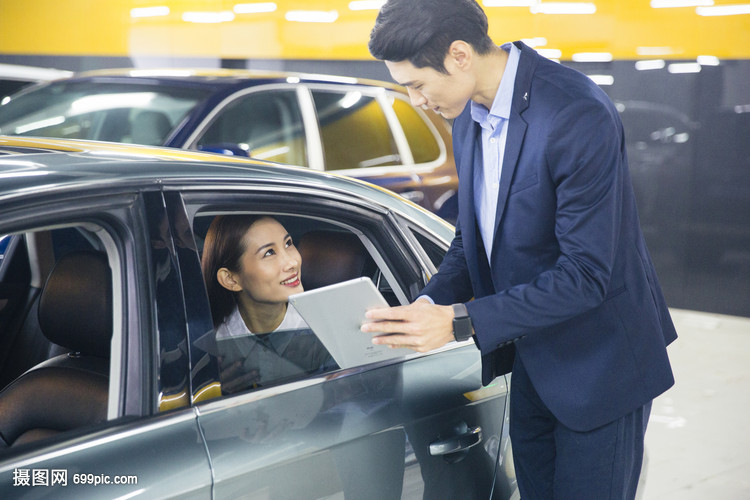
(366, 4)
(668, 4)
(650, 64)
(602, 79)
(654, 51)
(537, 41)
(312, 16)
(550, 53)
(723, 10)
(208, 17)
(563, 8)
(509, 3)
(708, 60)
(254, 8)
(592, 57)
(691, 67)
(149, 11)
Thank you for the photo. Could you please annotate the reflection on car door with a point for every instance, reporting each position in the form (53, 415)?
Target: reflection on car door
(397, 429)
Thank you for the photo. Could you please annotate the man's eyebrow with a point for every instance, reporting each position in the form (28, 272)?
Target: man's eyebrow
(409, 83)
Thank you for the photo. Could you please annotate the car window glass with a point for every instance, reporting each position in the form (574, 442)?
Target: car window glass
(354, 131)
(139, 114)
(433, 251)
(265, 124)
(329, 254)
(57, 300)
(422, 142)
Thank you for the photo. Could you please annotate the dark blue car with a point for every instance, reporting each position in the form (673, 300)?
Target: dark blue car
(360, 128)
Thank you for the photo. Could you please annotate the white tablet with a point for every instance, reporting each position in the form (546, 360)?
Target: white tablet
(335, 314)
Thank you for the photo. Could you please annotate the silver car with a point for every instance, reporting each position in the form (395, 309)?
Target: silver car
(110, 386)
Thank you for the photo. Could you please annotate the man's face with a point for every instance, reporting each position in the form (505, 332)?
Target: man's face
(446, 94)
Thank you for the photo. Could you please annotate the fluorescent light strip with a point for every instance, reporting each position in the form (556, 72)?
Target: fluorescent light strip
(602, 79)
(208, 17)
(149, 11)
(592, 57)
(673, 4)
(550, 53)
(366, 4)
(654, 51)
(563, 8)
(312, 16)
(509, 3)
(254, 8)
(537, 41)
(650, 64)
(708, 60)
(723, 10)
(677, 68)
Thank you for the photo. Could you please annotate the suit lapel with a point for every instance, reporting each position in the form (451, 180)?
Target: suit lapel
(516, 129)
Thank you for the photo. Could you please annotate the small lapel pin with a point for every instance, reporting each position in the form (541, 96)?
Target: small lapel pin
(526, 96)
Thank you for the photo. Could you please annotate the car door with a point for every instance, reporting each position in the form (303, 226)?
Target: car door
(415, 427)
(136, 450)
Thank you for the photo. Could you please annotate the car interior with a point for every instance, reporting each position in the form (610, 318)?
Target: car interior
(56, 328)
(56, 319)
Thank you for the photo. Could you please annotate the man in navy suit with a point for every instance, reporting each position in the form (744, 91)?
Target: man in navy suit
(548, 246)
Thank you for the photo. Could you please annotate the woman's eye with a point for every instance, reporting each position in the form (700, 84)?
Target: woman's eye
(289, 243)
(269, 253)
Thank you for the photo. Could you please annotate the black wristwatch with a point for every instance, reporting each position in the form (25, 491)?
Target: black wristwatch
(462, 328)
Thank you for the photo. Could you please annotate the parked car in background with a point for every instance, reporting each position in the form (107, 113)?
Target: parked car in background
(109, 375)
(360, 128)
(13, 77)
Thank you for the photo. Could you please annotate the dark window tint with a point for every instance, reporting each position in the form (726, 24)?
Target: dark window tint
(422, 142)
(354, 131)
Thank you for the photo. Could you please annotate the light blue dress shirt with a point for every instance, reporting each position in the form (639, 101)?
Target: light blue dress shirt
(494, 123)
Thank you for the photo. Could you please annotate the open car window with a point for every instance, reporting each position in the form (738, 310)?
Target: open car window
(329, 254)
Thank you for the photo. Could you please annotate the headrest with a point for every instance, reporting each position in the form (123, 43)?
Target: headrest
(75, 308)
(331, 257)
(150, 128)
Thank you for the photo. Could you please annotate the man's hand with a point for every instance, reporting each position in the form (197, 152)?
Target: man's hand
(420, 326)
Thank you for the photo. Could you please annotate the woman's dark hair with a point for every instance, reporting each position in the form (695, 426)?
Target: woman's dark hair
(422, 31)
(223, 247)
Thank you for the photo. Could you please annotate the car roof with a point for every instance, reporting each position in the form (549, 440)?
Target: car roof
(34, 165)
(222, 77)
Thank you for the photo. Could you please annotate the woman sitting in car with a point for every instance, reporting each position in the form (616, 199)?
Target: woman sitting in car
(251, 267)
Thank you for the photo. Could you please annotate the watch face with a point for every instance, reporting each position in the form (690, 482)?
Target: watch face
(462, 328)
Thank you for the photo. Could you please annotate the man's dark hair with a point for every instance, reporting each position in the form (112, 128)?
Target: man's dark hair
(421, 31)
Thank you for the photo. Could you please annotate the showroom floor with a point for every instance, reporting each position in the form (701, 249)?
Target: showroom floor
(698, 439)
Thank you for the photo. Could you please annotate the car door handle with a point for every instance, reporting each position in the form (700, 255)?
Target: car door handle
(454, 444)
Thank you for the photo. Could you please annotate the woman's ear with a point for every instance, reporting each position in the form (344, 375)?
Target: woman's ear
(226, 278)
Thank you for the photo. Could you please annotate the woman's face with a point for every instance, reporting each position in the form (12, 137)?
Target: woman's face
(270, 266)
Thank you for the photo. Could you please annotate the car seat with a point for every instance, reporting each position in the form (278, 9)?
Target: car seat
(331, 257)
(69, 390)
(150, 128)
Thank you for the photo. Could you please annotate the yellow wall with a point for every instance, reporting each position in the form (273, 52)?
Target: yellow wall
(625, 28)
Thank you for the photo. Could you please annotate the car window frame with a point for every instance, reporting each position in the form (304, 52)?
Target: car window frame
(315, 153)
(110, 216)
(370, 223)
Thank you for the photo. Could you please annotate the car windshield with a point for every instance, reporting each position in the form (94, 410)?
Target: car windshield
(119, 112)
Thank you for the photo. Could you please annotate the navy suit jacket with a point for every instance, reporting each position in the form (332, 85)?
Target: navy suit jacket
(571, 288)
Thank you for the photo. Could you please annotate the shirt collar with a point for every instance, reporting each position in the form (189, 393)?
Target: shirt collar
(501, 105)
(279, 338)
